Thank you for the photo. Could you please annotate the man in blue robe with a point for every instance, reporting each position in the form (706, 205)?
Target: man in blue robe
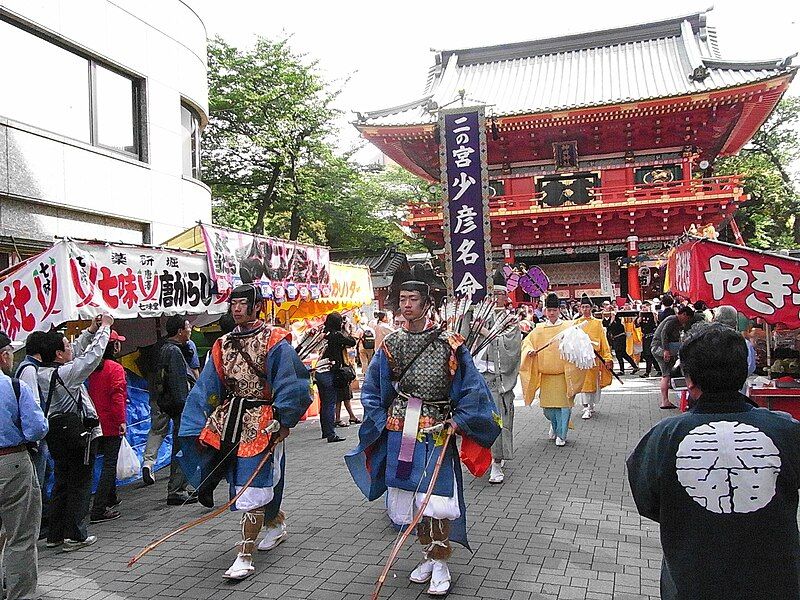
(420, 379)
(253, 390)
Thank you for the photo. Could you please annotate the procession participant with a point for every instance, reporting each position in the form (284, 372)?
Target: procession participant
(423, 377)
(499, 365)
(253, 384)
(545, 370)
(600, 375)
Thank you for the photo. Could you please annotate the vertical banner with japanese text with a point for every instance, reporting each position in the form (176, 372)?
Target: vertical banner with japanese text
(467, 235)
(606, 284)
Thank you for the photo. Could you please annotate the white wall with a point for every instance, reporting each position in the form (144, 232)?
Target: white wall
(63, 184)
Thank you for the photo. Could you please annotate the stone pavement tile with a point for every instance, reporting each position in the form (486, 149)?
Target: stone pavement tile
(563, 525)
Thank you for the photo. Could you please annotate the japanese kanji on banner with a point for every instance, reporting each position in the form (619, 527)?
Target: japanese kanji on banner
(76, 280)
(284, 269)
(467, 237)
(757, 284)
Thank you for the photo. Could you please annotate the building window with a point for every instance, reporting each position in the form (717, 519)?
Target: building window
(56, 89)
(190, 138)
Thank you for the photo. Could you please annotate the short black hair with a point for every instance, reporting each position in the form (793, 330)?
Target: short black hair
(667, 300)
(333, 322)
(52, 342)
(715, 359)
(700, 305)
(686, 310)
(174, 324)
(380, 315)
(33, 345)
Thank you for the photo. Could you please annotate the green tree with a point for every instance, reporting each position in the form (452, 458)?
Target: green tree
(268, 157)
(268, 112)
(770, 219)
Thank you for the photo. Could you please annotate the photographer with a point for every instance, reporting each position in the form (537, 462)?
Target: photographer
(721, 481)
(73, 425)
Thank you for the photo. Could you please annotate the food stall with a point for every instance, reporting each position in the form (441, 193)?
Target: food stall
(763, 286)
(73, 281)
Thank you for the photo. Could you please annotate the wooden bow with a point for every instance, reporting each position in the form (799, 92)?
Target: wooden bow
(415, 520)
(215, 513)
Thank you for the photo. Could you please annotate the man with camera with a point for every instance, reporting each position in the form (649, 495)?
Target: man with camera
(21, 425)
(73, 425)
(721, 481)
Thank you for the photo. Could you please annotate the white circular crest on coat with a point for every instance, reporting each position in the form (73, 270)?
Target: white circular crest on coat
(728, 467)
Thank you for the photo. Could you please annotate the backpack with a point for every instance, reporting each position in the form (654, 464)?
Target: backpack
(368, 339)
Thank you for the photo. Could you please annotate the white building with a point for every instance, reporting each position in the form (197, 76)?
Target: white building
(101, 107)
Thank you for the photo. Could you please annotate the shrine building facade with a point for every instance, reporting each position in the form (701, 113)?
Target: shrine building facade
(600, 145)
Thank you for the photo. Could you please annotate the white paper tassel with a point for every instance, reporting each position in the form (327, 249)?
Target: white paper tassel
(576, 347)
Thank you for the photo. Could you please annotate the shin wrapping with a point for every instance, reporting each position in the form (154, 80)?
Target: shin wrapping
(433, 534)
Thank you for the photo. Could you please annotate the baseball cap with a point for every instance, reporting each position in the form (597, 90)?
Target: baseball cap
(6, 341)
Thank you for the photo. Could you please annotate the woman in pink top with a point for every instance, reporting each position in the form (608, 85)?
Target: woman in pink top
(108, 390)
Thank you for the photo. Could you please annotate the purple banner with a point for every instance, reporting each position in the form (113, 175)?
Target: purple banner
(466, 212)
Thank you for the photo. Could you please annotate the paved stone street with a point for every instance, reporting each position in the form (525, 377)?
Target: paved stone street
(563, 526)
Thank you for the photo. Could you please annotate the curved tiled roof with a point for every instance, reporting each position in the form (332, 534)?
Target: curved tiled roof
(675, 57)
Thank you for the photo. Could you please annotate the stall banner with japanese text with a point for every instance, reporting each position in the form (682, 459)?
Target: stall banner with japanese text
(757, 284)
(284, 269)
(73, 281)
(467, 235)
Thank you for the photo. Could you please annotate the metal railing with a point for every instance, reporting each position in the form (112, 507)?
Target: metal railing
(602, 195)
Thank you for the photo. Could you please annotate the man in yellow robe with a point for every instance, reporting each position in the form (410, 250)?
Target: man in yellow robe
(600, 375)
(545, 370)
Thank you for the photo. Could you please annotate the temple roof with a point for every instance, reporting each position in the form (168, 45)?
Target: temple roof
(673, 57)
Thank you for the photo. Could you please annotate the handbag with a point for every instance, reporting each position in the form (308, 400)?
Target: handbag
(343, 374)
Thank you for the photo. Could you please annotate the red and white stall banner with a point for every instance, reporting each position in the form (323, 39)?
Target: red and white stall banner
(77, 280)
(758, 284)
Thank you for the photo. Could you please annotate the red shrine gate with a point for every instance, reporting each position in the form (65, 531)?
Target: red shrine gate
(598, 144)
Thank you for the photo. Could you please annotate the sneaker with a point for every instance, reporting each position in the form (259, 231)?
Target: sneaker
(147, 476)
(273, 537)
(496, 475)
(53, 544)
(551, 435)
(336, 438)
(635, 371)
(440, 579)
(71, 545)
(241, 568)
(560, 442)
(108, 515)
(423, 572)
(588, 413)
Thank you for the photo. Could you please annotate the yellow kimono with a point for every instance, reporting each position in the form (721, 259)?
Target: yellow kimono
(557, 379)
(597, 333)
(633, 343)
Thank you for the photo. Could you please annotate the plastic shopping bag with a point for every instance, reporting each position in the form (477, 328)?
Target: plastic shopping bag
(127, 462)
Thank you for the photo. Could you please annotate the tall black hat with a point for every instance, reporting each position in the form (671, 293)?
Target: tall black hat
(551, 301)
(250, 292)
(499, 281)
(416, 286)
(586, 300)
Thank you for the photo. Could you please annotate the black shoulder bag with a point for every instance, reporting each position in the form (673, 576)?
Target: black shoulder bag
(71, 430)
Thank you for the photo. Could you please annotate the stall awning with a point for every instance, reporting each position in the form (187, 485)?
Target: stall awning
(758, 284)
(300, 279)
(79, 280)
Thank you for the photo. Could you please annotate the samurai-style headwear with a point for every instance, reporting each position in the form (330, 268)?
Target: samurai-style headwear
(586, 300)
(249, 292)
(416, 286)
(551, 301)
(499, 281)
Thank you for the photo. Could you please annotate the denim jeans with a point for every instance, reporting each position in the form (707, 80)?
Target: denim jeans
(106, 494)
(327, 401)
